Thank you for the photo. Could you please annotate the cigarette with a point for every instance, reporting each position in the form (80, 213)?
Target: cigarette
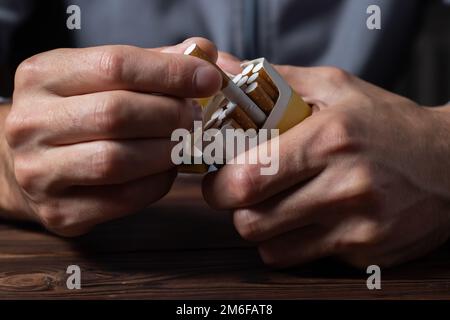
(248, 70)
(223, 115)
(229, 88)
(237, 78)
(257, 77)
(237, 114)
(259, 68)
(216, 114)
(218, 121)
(242, 83)
(213, 120)
(210, 124)
(260, 97)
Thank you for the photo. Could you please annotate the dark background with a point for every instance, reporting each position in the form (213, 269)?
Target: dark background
(424, 75)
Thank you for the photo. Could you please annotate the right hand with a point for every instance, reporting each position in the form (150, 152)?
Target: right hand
(89, 130)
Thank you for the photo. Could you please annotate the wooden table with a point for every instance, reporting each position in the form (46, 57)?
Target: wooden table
(179, 248)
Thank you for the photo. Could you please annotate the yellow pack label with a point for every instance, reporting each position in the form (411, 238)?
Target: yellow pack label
(295, 112)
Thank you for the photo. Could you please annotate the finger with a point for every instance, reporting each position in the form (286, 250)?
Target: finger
(113, 115)
(81, 208)
(207, 46)
(226, 61)
(301, 206)
(369, 241)
(241, 185)
(229, 63)
(324, 200)
(297, 247)
(321, 86)
(69, 72)
(107, 162)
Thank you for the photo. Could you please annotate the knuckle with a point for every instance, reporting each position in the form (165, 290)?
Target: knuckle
(362, 236)
(109, 114)
(340, 129)
(358, 186)
(338, 135)
(33, 176)
(105, 162)
(17, 128)
(54, 219)
(362, 183)
(29, 72)
(336, 75)
(26, 175)
(247, 225)
(366, 234)
(111, 63)
(242, 185)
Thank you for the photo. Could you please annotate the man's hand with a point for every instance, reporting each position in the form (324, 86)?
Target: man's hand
(89, 131)
(364, 179)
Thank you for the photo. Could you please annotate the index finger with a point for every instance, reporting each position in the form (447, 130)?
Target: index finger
(68, 72)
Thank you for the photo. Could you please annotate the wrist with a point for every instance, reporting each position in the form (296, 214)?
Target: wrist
(438, 137)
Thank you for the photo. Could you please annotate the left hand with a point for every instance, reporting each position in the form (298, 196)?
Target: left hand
(365, 179)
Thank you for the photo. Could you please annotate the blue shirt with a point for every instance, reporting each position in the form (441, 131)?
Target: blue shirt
(296, 32)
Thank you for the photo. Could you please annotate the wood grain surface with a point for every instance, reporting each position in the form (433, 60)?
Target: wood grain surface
(181, 249)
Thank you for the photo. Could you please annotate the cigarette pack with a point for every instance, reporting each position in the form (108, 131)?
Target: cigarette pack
(281, 106)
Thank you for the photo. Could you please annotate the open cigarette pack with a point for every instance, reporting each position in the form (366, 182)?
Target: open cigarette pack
(257, 98)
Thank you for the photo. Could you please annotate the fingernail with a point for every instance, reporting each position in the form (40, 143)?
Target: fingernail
(207, 79)
(197, 112)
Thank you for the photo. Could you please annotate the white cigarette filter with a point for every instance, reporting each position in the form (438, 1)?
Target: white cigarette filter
(260, 97)
(247, 71)
(285, 111)
(242, 83)
(267, 86)
(237, 78)
(229, 88)
(264, 101)
(289, 109)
